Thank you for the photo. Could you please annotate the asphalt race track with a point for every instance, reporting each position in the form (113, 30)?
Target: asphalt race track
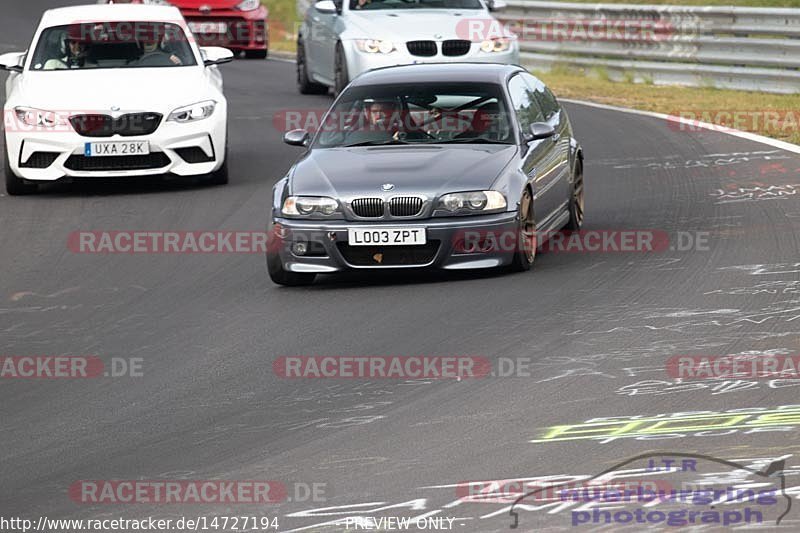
(207, 328)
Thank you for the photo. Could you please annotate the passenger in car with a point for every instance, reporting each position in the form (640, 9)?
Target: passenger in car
(74, 55)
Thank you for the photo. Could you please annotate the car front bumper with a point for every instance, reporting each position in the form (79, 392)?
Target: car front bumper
(64, 149)
(246, 30)
(329, 242)
(359, 61)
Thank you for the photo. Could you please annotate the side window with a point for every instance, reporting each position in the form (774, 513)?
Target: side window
(546, 100)
(526, 107)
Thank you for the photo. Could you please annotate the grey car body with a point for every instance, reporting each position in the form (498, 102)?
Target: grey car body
(540, 166)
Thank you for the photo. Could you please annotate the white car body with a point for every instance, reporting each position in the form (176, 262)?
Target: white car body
(322, 30)
(115, 92)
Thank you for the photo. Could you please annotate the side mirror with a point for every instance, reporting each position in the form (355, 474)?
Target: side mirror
(326, 7)
(215, 55)
(540, 130)
(12, 61)
(296, 138)
(496, 5)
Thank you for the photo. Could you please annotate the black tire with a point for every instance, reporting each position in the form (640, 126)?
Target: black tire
(281, 276)
(304, 84)
(525, 251)
(256, 54)
(219, 176)
(15, 186)
(576, 199)
(340, 75)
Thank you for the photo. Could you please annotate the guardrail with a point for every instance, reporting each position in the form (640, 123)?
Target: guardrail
(725, 47)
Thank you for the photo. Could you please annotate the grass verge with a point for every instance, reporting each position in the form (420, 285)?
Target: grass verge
(771, 115)
(283, 24)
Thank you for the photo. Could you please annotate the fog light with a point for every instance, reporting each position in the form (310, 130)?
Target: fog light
(299, 248)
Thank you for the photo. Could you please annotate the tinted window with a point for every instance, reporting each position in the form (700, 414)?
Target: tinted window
(433, 113)
(113, 45)
(525, 104)
(547, 101)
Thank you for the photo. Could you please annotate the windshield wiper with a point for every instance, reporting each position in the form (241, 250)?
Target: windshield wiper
(375, 143)
(472, 141)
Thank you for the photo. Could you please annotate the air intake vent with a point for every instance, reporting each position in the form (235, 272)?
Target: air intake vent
(455, 48)
(368, 207)
(389, 255)
(125, 162)
(40, 160)
(405, 206)
(421, 48)
(129, 125)
(193, 154)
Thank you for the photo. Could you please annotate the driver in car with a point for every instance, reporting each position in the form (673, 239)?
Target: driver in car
(153, 53)
(380, 123)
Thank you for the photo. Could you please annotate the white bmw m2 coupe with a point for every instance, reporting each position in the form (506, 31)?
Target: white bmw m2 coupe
(113, 91)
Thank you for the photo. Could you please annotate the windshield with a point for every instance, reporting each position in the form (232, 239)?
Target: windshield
(414, 4)
(446, 113)
(113, 45)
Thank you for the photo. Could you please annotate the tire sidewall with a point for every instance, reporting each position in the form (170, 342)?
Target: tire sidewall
(520, 261)
(577, 175)
(341, 75)
(302, 69)
(15, 186)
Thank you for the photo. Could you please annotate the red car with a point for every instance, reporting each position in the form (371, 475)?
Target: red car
(240, 25)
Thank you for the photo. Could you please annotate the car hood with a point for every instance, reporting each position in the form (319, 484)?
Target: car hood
(401, 25)
(413, 170)
(152, 89)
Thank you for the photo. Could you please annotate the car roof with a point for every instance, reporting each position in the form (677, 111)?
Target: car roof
(63, 16)
(439, 72)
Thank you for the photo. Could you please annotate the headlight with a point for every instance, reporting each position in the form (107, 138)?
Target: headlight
(248, 5)
(193, 112)
(39, 117)
(374, 46)
(473, 201)
(496, 45)
(309, 205)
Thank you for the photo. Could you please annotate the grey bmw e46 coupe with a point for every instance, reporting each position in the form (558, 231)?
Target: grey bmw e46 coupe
(451, 166)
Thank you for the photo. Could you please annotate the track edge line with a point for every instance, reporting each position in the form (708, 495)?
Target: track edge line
(775, 143)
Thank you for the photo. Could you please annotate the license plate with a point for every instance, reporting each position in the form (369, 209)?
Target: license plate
(208, 27)
(110, 149)
(386, 236)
